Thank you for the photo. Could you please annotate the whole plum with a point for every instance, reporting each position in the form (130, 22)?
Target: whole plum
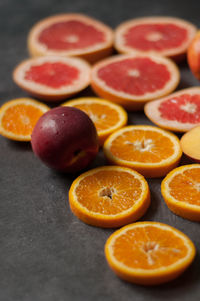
(65, 139)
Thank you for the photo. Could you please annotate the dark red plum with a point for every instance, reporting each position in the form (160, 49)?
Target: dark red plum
(65, 139)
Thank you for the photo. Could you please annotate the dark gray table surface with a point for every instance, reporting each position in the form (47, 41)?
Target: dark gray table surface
(46, 253)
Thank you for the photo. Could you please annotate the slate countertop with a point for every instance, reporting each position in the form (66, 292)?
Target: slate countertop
(46, 253)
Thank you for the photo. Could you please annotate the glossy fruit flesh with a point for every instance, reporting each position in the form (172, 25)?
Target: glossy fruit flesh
(70, 35)
(54, 75)
(135, 76)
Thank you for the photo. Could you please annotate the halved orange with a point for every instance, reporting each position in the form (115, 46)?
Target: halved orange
(181, 191)
(19, 116)
(150, 150)
(149, 253)
(134, 79)
(109, 196)
(107, 116)
(71, 35)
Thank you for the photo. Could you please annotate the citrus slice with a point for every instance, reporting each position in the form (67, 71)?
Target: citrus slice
(132, 80)
(164, 36)
(150, 150)
(52, 78)
(193, 55)
(19, 116)
(190, 144)
(178, 112)
(107, 116)
(109, 196)
(181, 191)
(71, 35)
(149, 253)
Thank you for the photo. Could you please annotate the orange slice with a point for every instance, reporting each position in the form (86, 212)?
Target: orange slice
(149, 253)
(19, 116)
(107, 116)
(181, 191)
(71, 35)
(109, 196)
(150, 150)
(52, 78)
(133, 80)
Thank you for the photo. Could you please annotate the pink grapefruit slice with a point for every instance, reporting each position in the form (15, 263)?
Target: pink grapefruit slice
(71, 35)
(178, 112)
(164, 36)
(132, 80)
(52, 78)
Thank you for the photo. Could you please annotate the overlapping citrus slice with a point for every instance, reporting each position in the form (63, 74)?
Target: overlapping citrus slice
(19, 116)
(107, 116)
(164, 36)
(178, 112)
(52, 78)
(71, 35)
(109, 196)
(181, 191)
(150, 150)
(149, 253)
(132, 80)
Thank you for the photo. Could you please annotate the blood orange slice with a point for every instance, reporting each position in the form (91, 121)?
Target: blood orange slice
(178, 112)
(71, 35)
(165, 36)
(132, 80)
(52, 77)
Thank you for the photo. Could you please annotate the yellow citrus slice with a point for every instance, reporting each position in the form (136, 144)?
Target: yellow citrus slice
(109, 196)
(107, 116)
(150, 150)
(149, 253)
(19, 116)
(181, 191)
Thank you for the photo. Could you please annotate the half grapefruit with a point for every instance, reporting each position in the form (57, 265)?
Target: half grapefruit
(164, 36)
(132, 80)
(71, 35)
(52, 78)
(178, 112)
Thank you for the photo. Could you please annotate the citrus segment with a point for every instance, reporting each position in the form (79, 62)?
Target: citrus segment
(164, 36)
(107, 116)
(151, 151)
(52, 77)
(71, 35)
(181, 191)
(109, 196)
(18, 118)
(132, 80)
(149, 253)
(178, 112)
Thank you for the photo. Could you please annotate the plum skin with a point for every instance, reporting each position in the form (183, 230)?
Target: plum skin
(65, 139)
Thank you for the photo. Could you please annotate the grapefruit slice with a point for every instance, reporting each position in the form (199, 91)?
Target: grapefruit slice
(71, 35)
(132, 80)
(178, 112)
(165, 36)
(52, 78)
